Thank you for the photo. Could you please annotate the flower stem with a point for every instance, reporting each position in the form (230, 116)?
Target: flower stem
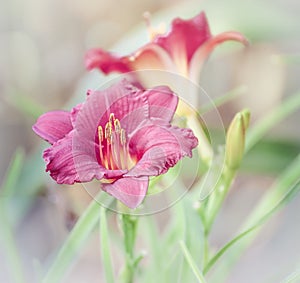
(215, 201)
(105, 247)
(204, 146)
(129, 227)
(192, 263)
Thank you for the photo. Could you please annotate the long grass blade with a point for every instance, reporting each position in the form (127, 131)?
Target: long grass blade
(255, 133)
(289, 195)
(78, 236)
(105, 248)
(192, 263)
(292, 278)
(7, 236)
(9, 184)
(277, 194)
(227, 97)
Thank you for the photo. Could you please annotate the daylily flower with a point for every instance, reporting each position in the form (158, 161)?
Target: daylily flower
(182, 50)
(120, 136)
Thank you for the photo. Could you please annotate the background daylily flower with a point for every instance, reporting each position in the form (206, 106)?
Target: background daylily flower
(120, 136)
(182, 50)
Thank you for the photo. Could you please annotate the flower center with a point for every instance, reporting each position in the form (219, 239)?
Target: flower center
(153, 32)
(113, 147)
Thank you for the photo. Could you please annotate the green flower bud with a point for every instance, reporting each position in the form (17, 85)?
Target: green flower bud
(235, 139)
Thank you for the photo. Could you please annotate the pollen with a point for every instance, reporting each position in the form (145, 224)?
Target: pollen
(100, 134)
(123, 137)
(111, 118)
(108, 131)
(117, 125)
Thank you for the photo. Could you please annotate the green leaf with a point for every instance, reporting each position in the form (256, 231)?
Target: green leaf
(289, 195)
(172, 261)
(11, 251)
(29, 183)
(78, 236)
(270, 157)
(13, 173)
(192, 263)
(183, 216)
(278, 195)
(227, 97)
(7, 233)
(26, 104)
(270, 120)
(155, 251)
(105, 248)
(292, 278)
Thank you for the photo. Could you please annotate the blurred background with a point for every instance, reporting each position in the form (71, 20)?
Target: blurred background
(43, 44)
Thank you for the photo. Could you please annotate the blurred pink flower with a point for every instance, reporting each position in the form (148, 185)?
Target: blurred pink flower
(121, 136)
(183, 50)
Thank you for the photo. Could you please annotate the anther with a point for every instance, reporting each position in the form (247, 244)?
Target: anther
(111, 118)
(108, 131)
(153, 32)
(117, 125)
(100, 133)
(123, 136)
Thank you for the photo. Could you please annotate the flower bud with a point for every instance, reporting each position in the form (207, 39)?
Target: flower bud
(235, 139)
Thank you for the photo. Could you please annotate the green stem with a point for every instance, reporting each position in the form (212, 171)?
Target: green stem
(192, 263)
(105, 247)
(209, 209)
(216, 200)
(129, 226)
(206, 251)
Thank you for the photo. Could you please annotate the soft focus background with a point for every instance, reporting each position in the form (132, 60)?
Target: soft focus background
(41, 68)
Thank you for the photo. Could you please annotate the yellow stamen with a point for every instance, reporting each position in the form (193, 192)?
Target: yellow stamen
(153, 32)
(111, 118)
(115, 155)
(117, 125)
(100, 134)
(108, 132)
(123, 137)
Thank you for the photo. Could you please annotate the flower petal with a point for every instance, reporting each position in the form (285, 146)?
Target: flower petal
(75, 110)
(130, 191)
(159, 147)
(204, 51)
(162, 103)
(71, 160)
(128, 103)
(106, 62)
(185, 36)
(53, 126)
(151, 56)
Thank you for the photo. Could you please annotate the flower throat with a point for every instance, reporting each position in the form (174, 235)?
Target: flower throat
(113, 147)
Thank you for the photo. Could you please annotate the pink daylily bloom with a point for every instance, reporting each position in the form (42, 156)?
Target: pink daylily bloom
(120, 136)
(182, 50)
